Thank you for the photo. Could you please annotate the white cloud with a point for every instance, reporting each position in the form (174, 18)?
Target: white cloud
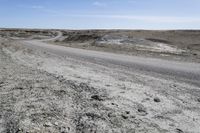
(150, 19)
(153, 19)
(37, 7)
(99, 4)
(31, 7)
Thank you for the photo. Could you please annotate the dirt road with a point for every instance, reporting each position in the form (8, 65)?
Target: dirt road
(47, 88)
(180, 70)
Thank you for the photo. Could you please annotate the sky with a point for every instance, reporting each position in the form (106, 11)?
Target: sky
(100, 14)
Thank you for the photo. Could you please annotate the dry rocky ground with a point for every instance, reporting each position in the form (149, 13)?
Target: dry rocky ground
(43, 92)
(176, 45)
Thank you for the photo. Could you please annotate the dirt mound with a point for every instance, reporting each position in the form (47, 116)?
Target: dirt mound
(26, 34)
(157, 40)
(81, 38)
(194, 47)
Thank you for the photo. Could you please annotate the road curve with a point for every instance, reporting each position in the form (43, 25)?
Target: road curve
(59, 34)
(179, 70)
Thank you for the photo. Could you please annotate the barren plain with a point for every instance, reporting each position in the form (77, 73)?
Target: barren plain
(114, 81)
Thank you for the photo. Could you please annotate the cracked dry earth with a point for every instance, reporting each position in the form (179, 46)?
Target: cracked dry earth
(42, 92)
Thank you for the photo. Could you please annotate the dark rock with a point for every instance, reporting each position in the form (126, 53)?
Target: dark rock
(43, 88)
(127, 112)
(1, 84)
(96, 97)
(179, 130)
(19, 130)
(86, 87)
(111, 114)
(147, 99)
(108, 85)
(124, 116)
(114, 104)
(133, 116)
(174, 86)
(198, 99)
(62, 92)
(157, 100)
(157, 40)
(18, 88)
(68, 128)
(142, 111)
(48, 124)
(93, 115)
(95, 105)
(81, 38)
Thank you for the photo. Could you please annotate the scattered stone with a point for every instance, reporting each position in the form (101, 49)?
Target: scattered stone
(124, 116)
(198, 99)
(43, 88)
(111, 114)
(18, 88)
(142, 111)
(1, 84)
(147, 99)
(108, 85)
(64, 132)
(68, 128)
(48, 124)
(157, 100)
(174, 86)
(133, 116)
(56, 123)
(159, 117)
(95, 105)
(19, 130)
(114, 104)
(171, 125)
(127, 112)
(96, 97)
(179, 130)
(93, 115)
(60, 78)
(61, 92)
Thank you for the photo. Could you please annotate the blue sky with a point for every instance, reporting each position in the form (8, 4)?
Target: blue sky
(100, 14)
